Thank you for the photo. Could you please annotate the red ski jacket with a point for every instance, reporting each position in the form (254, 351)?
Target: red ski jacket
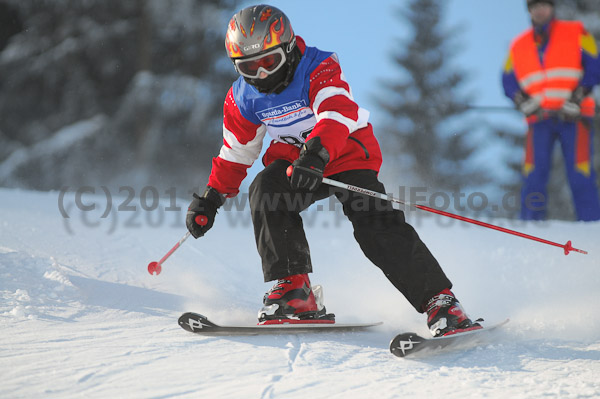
(318, 102)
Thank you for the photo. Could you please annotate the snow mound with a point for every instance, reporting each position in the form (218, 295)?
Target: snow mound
(33, 287)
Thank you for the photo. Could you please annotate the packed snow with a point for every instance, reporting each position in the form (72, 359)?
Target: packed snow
(80, 316)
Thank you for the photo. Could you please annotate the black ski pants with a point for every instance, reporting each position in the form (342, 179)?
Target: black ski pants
(381, 231)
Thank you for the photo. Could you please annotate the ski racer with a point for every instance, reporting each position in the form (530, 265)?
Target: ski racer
(298, 95)
(550, 72)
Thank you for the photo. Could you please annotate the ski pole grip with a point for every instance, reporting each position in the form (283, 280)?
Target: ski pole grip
(201, 220)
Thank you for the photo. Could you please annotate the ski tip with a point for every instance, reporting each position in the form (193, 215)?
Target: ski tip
(409, 343)
(195, 321)
(403, 344)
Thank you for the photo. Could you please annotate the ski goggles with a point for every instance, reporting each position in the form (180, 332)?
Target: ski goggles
(268, 63)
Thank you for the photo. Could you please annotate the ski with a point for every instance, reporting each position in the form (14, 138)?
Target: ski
(410, 343)
(199, 324)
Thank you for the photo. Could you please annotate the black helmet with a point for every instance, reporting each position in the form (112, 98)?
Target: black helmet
(532, 2)
(262, 46)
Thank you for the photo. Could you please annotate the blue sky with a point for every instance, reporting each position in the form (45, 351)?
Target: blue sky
(364, 37)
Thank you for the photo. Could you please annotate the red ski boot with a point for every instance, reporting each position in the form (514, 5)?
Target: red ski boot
(445, 316)
(293, 298)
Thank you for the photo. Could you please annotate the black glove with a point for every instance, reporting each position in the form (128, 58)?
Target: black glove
(307, 170)
(202, 211)
(570, 110)
(527, 105)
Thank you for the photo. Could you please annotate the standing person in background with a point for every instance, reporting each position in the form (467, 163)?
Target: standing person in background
(299, 96)
(549, 74)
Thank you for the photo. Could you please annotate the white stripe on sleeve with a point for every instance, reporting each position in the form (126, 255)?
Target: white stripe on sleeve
(328, 92)
(245, 154)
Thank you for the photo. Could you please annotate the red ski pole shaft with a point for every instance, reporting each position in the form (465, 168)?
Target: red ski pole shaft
(164, 258)
(155, 267)
(566, 247)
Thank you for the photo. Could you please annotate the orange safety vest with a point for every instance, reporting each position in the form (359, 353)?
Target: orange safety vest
(554, 81)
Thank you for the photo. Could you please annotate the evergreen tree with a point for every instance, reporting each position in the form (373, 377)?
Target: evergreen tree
(425, 105)
(150, 74)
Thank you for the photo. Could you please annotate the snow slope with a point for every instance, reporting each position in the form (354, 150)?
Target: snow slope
(81, 317)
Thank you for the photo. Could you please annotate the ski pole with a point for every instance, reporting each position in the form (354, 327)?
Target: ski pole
(155, 267)
(566, 247)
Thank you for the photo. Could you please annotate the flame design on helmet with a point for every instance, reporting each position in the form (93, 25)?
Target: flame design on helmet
(276, 31)
(255, 29)
(266, 14)
(233, 50)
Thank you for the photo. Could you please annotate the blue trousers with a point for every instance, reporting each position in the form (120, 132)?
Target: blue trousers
(575, 139)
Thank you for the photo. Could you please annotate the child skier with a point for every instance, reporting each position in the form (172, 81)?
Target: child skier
(299, 96)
